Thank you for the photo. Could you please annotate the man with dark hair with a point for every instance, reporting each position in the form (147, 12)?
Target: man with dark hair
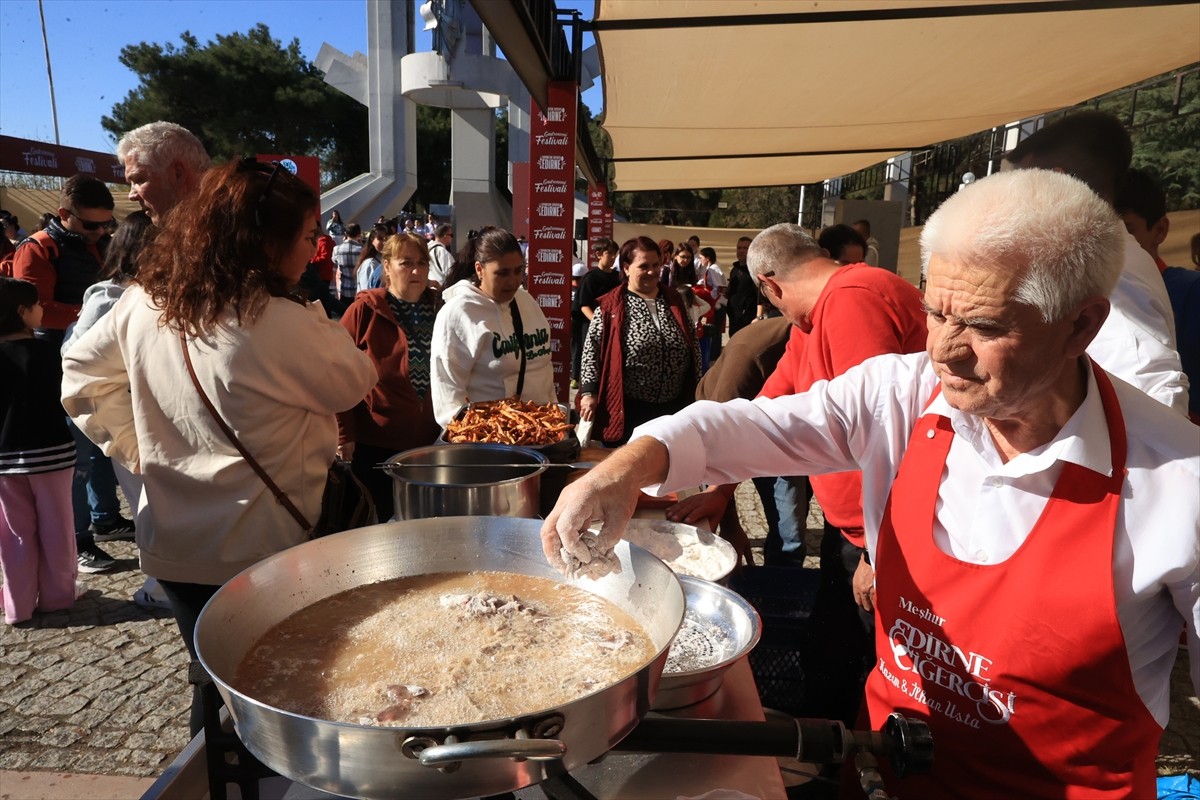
(743, 293)
(1137, 341)
(441, 257)
(863, 226)
(844, 244)
(592, 286)
(1142, 204)
(63, 261)
(345, 257)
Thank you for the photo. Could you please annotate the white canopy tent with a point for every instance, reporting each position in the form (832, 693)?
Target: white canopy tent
(724, 93)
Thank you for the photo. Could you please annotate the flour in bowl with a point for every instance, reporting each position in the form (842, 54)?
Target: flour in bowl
(684, 548)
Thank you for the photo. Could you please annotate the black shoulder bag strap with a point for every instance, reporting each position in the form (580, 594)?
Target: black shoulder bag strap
(519, 330)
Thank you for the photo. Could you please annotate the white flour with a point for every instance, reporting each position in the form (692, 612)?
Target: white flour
(685, 549)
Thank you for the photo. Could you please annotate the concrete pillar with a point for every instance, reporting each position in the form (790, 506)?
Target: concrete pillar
(392, 118)
(472, 185)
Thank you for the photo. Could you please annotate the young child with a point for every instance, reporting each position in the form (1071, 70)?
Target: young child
(37, 461)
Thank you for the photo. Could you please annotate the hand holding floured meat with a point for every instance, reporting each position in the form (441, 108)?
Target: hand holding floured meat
(606, 495)
(599, 560)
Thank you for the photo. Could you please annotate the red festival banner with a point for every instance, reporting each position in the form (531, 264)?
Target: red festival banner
(552, 219)
(41, 158)
(597, 198)
(608, 222)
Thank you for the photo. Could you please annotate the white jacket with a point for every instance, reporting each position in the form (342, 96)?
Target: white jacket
(1137, 340)
(276, 383)
(475, 356)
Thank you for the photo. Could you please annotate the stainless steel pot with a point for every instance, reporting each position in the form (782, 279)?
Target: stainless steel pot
(428, 482)
(473, 760)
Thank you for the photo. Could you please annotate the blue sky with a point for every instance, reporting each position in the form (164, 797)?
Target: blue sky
(86, 37)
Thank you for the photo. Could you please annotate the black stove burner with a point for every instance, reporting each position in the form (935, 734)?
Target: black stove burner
(905, 743)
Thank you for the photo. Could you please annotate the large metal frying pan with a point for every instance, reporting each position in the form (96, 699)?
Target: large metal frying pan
(473, 760)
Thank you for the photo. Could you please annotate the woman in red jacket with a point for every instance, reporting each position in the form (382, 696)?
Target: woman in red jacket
(394, 326)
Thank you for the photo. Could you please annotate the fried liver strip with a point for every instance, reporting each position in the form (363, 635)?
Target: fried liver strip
(509, 422)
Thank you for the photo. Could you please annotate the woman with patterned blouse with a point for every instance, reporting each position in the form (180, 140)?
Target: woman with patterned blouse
(640, 359)
(394, 326)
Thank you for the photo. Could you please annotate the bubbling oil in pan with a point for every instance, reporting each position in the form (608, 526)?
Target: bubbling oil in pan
(444, 649)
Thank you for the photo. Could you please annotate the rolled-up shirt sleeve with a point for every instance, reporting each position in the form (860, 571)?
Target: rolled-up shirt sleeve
(859, 420)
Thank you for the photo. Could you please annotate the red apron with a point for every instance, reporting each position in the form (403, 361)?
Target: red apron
(1020, 668)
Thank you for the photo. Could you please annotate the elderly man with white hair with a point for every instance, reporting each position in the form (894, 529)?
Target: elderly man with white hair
(163, 165)
(1034, 521)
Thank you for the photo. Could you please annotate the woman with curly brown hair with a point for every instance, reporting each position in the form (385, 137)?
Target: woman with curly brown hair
(217, 281)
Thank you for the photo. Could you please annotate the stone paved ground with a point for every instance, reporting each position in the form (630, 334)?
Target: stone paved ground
(100, 689)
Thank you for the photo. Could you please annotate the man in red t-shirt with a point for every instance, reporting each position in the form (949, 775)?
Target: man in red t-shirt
(842, 316)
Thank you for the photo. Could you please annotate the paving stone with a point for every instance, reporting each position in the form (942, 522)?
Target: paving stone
(89, 718)
(107, 738)
(62, 736)
(53, 760)
(9, 675)
(131, 651)
(68, 705)
(13, 760)
(88, 653)
(93, 762)
(13, 656)
(143, 741)
(45, 660)
(159, 674)
(108, 702)
(17, 692)
(58, 689)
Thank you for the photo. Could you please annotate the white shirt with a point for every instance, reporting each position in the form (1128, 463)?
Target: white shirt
(862, 420)
(473, 353)
(440, 262)
(1137, 341)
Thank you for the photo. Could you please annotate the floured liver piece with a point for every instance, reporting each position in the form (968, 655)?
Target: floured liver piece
(601, 562)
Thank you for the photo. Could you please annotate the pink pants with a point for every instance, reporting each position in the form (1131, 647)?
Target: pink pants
(37, 543)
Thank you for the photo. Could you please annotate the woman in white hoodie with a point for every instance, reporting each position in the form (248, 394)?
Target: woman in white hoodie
(491, 339)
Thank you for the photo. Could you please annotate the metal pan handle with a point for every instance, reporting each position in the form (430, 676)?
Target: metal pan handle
(524, 749)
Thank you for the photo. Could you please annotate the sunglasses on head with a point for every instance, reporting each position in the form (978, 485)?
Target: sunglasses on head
(92, 226)
(255, 165)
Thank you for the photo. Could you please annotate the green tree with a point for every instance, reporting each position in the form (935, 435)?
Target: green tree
(433, 158)
(1166, 128)
(245, 93)
(757, 207)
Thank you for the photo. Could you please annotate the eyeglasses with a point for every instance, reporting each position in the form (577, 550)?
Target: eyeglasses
(92, 226)
(259, 166)
(759, 280)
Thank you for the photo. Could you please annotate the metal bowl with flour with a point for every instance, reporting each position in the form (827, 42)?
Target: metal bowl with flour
(686, 549)
(719, 627)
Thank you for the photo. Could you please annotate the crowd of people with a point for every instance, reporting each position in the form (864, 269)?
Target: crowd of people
(1018, 424)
